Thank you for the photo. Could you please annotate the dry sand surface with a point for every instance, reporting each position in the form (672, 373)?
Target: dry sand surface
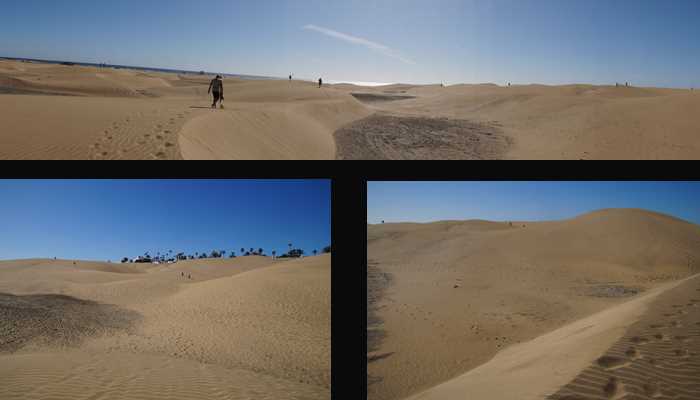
(244, 328)
(74, 112)
(478, 309)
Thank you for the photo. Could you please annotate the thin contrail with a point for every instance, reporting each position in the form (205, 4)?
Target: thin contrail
(387, 51)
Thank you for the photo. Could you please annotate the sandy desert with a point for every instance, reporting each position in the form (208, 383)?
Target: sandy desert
(73, 112)
(243, 328)
(602, 306)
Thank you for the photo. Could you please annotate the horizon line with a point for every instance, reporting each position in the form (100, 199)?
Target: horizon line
(341, 81)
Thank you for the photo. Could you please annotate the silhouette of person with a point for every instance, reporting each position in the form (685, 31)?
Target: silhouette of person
(290, 77)
(216, 87)
(320, 82)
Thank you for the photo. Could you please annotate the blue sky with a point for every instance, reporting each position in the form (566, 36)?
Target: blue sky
(645, 42)
(108, 220)
(525, 201)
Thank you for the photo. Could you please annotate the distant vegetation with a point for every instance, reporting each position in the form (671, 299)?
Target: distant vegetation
(170, 257)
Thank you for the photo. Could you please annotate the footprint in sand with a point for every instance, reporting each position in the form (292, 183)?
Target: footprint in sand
(166, 131)
(147, 135)
(160, 155)
(168, 144)
(656, 326)
(639, 340)
(160, 137)
(613, 389)
(676, 324)
(632, 353)
(661, 336)
(682, 353)
(611, 362)
(651, 389)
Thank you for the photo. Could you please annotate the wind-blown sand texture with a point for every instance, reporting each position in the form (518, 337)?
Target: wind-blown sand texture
(475, 305)
(242, 328)
(73, 112)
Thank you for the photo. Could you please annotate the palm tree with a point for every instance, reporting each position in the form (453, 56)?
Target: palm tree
(274, 253)
(252, 251)
(315, 252)
(223, 253)
(242, 250)
(260, 251)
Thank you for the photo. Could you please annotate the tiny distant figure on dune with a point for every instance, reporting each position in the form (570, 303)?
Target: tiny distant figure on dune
(183, 274)
(216, 87)
(290, 78)
(189, 276)
(320, 82)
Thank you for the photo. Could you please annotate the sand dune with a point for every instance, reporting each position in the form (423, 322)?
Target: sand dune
(568, 122)
(241, 328)
(475, 288)
(73, 112)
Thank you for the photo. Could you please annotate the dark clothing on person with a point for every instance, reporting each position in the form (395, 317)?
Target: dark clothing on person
(216, 87)
(320, 82)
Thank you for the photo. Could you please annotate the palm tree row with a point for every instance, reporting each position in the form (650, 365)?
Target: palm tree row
(169, 257)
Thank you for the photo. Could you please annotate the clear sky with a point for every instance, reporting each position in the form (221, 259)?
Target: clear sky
(109, 220)
(524, 201)
(644, 42)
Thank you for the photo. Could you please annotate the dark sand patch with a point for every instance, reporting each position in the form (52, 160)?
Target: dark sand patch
(611, 291)
(378, 98)
(17, 91)
(385, 137)
(57, 320)
(377, 283)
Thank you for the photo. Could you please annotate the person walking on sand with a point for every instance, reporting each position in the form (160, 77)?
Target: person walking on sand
(320, 82)
(217, 88)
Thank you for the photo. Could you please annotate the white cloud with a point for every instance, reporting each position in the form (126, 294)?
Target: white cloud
(387, 51)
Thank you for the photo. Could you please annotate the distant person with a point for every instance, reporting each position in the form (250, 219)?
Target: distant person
(320, 82)
(183, 274)
(216, 87)
(290, 78)
(189, 276)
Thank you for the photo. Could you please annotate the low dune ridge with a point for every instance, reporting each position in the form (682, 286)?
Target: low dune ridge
(78, 112)
(249, 326)
(479, 287)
